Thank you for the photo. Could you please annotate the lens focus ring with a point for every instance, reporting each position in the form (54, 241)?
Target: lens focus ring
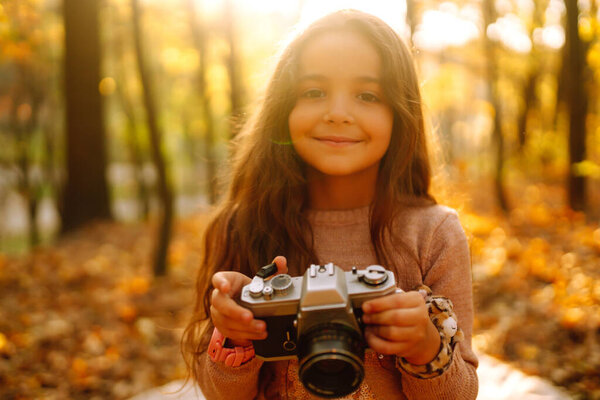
(331, 360)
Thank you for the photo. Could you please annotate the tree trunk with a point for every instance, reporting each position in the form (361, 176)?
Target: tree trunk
(530, 82)
(136, 156)
(86, 193)
(164, 189)
(22, 124)
(528, 99)
(489, 15)
(578, 103)
(236, 91)
(199, 39)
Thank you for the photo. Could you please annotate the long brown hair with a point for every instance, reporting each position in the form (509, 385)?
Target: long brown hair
(261, 215)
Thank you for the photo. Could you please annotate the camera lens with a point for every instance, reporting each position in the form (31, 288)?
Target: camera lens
(331, 360)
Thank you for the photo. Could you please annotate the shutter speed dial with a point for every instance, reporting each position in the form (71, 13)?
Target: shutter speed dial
(281, 284)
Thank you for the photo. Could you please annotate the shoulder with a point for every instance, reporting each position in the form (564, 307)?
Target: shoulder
(424, 221)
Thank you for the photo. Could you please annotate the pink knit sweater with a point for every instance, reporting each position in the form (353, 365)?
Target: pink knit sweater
(430, 248)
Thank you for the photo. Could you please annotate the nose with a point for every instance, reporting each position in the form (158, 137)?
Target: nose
(338, 111)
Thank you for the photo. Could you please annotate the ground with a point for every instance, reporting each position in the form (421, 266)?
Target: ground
(85, 319)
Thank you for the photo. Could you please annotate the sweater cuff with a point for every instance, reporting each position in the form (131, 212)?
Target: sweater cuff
(452, 384)
(226, 372)
(221, 382)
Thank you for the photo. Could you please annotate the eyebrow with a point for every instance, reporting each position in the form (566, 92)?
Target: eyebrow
(320, 77)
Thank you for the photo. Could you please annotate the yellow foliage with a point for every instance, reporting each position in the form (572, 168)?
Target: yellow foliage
(139, 285)
(136, 285)
(3, 341)
(20, 52)
(513, 248)
(176, 60)
(112, 353)
(572, 317)
(107, 86)
(79, 367)
(586, 29)
(527, 351)
(127, 312)
(587, 168)
(593, 56)
(177, 253)
(540, 215)
(478, 224)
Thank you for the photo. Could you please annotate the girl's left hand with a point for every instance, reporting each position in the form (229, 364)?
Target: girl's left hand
(399, 324)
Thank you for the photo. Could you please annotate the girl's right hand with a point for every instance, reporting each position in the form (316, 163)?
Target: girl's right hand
(234, 321)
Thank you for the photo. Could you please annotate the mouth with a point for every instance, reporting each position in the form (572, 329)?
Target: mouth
(337, 141)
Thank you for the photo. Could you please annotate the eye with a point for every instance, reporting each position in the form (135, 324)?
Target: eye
(368, 97)
(313, 93)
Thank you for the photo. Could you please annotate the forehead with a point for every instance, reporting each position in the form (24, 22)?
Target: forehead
(340, 53)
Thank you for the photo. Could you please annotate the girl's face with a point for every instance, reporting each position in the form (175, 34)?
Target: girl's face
(341, 123)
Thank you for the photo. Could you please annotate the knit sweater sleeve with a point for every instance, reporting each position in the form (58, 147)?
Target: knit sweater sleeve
(221, 382)
(447, 271)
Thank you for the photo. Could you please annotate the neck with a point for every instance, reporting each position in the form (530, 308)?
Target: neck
(329, 192)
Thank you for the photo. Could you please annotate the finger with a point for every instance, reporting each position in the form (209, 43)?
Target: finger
(281, 263)
(383, 346)
(242, 335)
(229, 308)
(396, 334)
(397, 317)
(229, 282)
(223, 323)
(392, 301)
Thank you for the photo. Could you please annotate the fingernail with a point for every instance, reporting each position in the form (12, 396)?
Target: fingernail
(366, 308)
(258, 325)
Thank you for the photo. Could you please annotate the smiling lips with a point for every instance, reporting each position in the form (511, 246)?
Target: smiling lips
(337, 141)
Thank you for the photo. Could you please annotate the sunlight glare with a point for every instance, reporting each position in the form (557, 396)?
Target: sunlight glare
(392, 12)
(552, 36)
(510, 31)
(447, 26)
(554, 12)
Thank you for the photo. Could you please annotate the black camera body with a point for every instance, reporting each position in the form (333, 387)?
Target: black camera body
(317, 318)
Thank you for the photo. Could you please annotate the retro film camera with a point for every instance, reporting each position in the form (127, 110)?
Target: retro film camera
(317, 318)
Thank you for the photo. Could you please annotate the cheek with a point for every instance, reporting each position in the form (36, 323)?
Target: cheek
(382, 148)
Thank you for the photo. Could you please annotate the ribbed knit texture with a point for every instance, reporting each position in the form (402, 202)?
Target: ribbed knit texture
(428, 246)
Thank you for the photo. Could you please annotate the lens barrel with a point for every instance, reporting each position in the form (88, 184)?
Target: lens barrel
(331, 360)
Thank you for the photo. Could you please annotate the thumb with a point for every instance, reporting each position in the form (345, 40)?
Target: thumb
(281, 263)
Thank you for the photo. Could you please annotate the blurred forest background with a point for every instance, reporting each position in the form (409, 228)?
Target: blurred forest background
(115, 117)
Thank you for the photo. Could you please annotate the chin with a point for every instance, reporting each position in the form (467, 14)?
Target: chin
(337, 172)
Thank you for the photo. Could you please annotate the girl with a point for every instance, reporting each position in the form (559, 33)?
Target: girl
(334, 168)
